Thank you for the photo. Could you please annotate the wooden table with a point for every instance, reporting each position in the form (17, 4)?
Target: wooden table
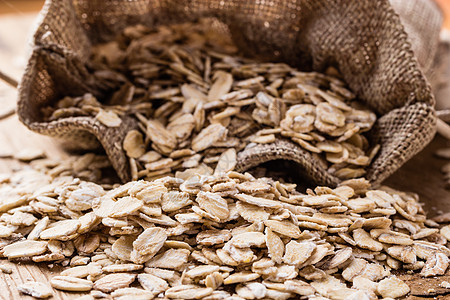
(420, 175)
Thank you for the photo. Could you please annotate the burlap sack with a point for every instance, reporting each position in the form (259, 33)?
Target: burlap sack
(364, 39)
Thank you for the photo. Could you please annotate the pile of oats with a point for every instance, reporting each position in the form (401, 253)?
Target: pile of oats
(215, 236)
(195, 98)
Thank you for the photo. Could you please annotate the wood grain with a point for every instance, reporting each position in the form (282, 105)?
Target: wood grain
(420, 175)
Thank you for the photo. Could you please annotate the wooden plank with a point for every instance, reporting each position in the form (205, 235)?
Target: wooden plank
(22, 273)
(422, 175)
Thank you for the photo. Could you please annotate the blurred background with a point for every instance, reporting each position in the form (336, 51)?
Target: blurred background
(23, 6)
(20, 6)
(445, 5)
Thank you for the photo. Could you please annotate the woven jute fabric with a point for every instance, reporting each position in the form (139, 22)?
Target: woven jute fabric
(422, 20)
(364, 39)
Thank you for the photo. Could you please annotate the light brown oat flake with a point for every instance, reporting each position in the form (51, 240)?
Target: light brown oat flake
(339, 258)
(188, 292)
(132, 293)
(326, 285)
(392, 287)
(40, 226)
(445, 232)
(152, 193)
(252, 290)
(297, 253)
(208, 136)
(299, 287)
(214, 280)
(258, 201)
(374, 272)
(213, 204)
(113, 282)
(364, 240)
(6, 231)
(24, 249)
(241, 277)
(72, 284)
(121, 268)
(92, 269)
(221, 86)
(240, 255)
(252, 187)
(150, 241)
(364, 284)
(125, 206)
(213, 237)
(87, 243)
(391, 237)
(251, 213)
(263, 139)
(285, 228)
(6, 269)
(355, 268)
(61, 230)
(108, 118)
(35, 289)
(161, 136)
(202, 271)
(170, 259)
(152, 283)
(275, 294)
(173, 201)
(133, 144)
(312, 273)
(406, 254)
(123, 247)
(87, 222)
(182, 126)
(249, 239)
(227, 162)
(436, 264)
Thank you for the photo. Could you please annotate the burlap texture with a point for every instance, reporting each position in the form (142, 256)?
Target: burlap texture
(364, 39)
(422, 20)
